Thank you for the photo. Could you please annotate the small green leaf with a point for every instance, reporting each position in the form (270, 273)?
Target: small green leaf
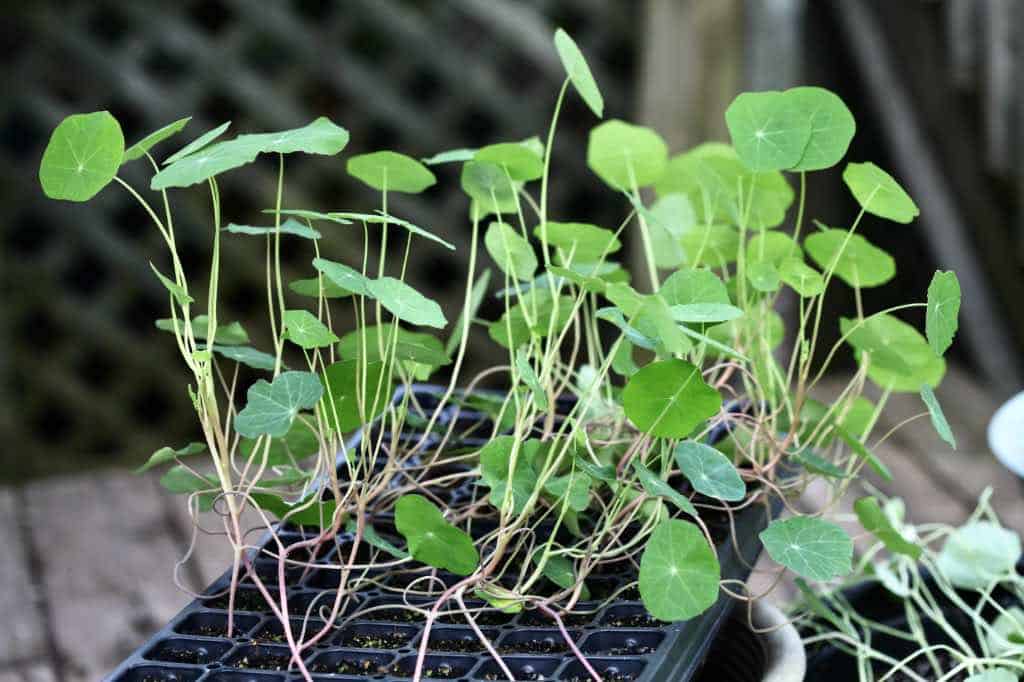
(431, 539)
(705, 312)
(709, 471)
(520, 162)
(687, 286)
(576, 68)
(450, 156)
(167, 454)
(312, 216)
(809, 547)
(816, 464)
(832, 127)
(512, 330)
(669, 399)
(943, 310)
(297, 444)
(801, 278)
(1007, 633)
(204, 164)
(874, 520)
(772, 247)
(344, 406)
(290, 226)
(343, 276)
(320, 136)
(82, 156)
(510, 251)
(768, 130)
(139, 149)
(198, 143)
(625, 155)
(232, 334)
(302, 328)
(679, 572)
(496, 465)
(302, 513)
(180, 480)
(587, 243)
(405, 345)
(900, 358)
(489, 186)
(375, 539)
(179, 293)
(878, 193)
(853, 258)
(318, 286)
(937, 416)
(671, 217)
(405, 303)
(530, 378)
(656, 487)
(858, 448)
(573, 487)
(247, 356)
(559, 570)
(271, 407)
(389, 171)
(978, 554)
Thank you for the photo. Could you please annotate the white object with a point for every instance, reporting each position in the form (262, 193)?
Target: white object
(1006, 434)
(785, 658)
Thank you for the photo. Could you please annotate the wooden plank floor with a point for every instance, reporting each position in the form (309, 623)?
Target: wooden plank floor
(87, 572)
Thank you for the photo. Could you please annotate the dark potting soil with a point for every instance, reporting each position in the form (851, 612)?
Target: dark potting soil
(184, 655)
(263, 661)
(380, 641)
(358, 666)
(607, 677)
(442, 671)
(522, 675)
(634, 620)
(535, 618)
(548, 645)
(462, 645)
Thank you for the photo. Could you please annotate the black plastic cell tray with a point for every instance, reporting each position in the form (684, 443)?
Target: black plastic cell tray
(619, 639)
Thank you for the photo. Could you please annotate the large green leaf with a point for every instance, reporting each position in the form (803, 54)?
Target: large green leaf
(321, 136)
(198, 143)
(510, 251)
(345, 407)
(407, 304)
(942, 317)
(679, 572)
(626, 155)
(978, 554)
(343, 276)
(433, 540)
(878, 193)
(854, 259)
(937, 416)
(82, 156)
(832, 127)
(391, 172)
(657, 487)
(810, 547)
(768, 130)
(498, 472)
(139, 149)
(669, 399)
(518, 161)
(900, 357)
(576, 68)
(709, 471)
(874, 520)
(271, 407)
(302, 328)
(168, 454)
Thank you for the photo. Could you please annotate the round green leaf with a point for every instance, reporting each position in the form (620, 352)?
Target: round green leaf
(139, 149)
(82, 156)
(576, 68)
(405, 303)
(499, 474)
(625, 155)
(832, 127)
(855, 261)
(409, 346)
(343, 277)
(941, 320)
(768, 131)
(679, 572)
(874, 520)
(705, 313)
(900, 357)
(315, 287)
(810, 547)
(204, 164)
(391, 172)
(344, 406)
(520, 162)
(709, 471)
(271, 407)
(668, 220)
(878, 193)
(302, 328)
(763, 276)
(489, 187)
(686, 286)
(587, 243)
(802, 278)
(656, 487)
(978, 554)
(510, 251)
(433, 540)
(669, 399)
(772, 247)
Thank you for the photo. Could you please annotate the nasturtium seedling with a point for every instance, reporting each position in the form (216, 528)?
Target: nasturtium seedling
(679, 572)
(271, 407)
(656, 487)
(432, 539)
(937, 416)
(517, 326)
(405, 303)
(668, 219)
(900, 358)
(511, 252)
(388, 171)
(246, 355)
(379, 217)
(346, 406)
(400, 344)
(979, 553)
(289, 226)
(810, 547)
(451, 156)
(82, 156)
(942, 317)
(315, 287)
(576, 68)
(142, 147)
(626, 156)
(768, 129)
(297, 444)
(688, 285)
(343, 277)
(669, 399)
(585, 243)
(516, 479)
(832, 127)
(517, 160)
(169, 454)
(851, 257)
(573, 487)
(198, 143)
(709, 471)
(874, 520)
(489, 186)
(302, 328)
(801, 278)
(232, 334)
(878, 193)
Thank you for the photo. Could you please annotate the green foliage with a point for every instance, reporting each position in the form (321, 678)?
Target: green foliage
(431, 539)
(878, 193)
(810, 547)
(302, 328)
(656, 487)
(82, 156)
(768, 129)
(198, 143)
(874, 520)
(517, 160)
(343, 277)
(899, 357)
(272, 406)
(832, 127)
(626, 155)
(489, 185)
(943, 310)
(709, 471)
(579, 242)
(232, 334)
(506, 467)
(937, 416)
(405, 303)
(142, 147)
(669, 399)
(167, 454)
(976, 555)
(346, 406)
(576, 68)
(679, 572)
(851, 257)
(290, 226)
(510, 251)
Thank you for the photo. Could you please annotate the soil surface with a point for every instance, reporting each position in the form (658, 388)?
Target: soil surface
(263, 661)
(466, 645)
(607, 677)
(363, 666)
(366, 641)
(547, 645)
(535, 618)
(635, 620)
(443, 671)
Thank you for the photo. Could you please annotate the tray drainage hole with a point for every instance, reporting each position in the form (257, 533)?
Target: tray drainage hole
(242, 640)
(213, 666)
